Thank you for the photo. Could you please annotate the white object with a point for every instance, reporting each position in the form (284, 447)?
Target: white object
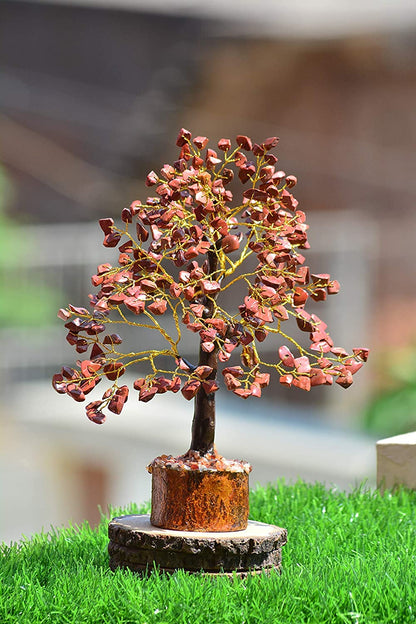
(396, 461)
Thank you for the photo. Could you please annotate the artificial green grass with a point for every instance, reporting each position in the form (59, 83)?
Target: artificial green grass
(349, 558)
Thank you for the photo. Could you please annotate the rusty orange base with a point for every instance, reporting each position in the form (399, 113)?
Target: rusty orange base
(199, 500)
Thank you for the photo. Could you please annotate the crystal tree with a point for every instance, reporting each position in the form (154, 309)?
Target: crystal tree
(179, 251)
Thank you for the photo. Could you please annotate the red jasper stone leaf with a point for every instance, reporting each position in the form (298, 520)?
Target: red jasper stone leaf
(249, 357)
(190, 388)
(58, 383)
(191, 252)
(246, 338)
(76, 310)
(135, 206)
(286, 380)
(162, 384)
(184, 277)
(264, 314)
(353, 366)
(300, 296)
(229, 346)
(231, 382)
(126, 215)
(96, 280)
(255, 389)
(224, 144)
(189, 293)
(223, 356)
(262, 379)
(324, 362)
(361, 353)
(69, 373)
(158, 307)
(134, 305)
(194, 327)
(103, 268)
(184, 136)
(207, 346)
(218, 323)
(147, 394)
(261, 334)
(106, 225)
(81, 345)
(333, 287)
(246, 172)
(271, 159)
(280, 312)
(95, 415)
(236, 371)
(175, 290)
(118, 400)
(197, 309)
(220, 226)
(321, 346)
(244, 393)
(112, 239)
(256, 194)
(152, 178)
(319, 294)
(258, 150)
(117, 298)
(114, 370)
(322, 279)
(291, 181)
(113, 339)
(345, 379)
(74, 326)
(302, 364)
(88, 385)
(182, 364)
(272, 280)
(88, 367)
(244, 142)
(230, 243)
(75, 392)
(175, 384)
(286, 356)
(96, 351)
(139, 383)
(210, 385)
(64, 314)
(317, 377)
(270, 142)
(95, 328)
(201, 141)
(203, 371)
(303, 321)
(302, 382)
(210, 287)
(340, 351)
(142, 233)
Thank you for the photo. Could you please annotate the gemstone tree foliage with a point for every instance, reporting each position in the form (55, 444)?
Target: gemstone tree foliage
(179, 251)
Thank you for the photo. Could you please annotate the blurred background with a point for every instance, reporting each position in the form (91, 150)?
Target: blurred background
(92, 94)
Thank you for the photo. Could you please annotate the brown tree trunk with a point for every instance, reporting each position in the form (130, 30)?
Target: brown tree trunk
(203, 424)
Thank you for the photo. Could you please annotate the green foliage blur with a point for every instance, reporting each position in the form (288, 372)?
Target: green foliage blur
(25, 301)
(392, 411)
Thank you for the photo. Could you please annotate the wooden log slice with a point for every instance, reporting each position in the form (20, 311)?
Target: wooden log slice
(138, 545)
